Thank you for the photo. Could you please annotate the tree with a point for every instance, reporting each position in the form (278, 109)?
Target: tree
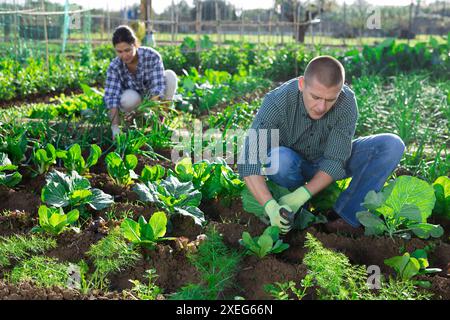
(209, 10)
(308, 12)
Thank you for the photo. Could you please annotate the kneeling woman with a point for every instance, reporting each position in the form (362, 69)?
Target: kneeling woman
(135, 72)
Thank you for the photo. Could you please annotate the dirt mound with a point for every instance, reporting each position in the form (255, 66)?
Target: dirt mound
(255, 273)
(28, 291)
(12, 200)
(103, 182)
(119, 210)
(184, 226)
(72, 246)
(33, 184)
(234, 214)
(231, 232)
(16, 222)
(440, 287)
(172, 267)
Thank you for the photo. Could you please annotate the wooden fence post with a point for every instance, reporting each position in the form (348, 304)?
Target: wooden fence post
(259, 28)
(270, 25)
(218, 25)
(45, 34)
(198, 24)
(172, 19)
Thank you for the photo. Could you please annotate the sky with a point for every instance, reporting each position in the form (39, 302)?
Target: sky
(160, 5)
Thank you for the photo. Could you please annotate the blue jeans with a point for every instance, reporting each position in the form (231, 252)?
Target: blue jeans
(372, 160)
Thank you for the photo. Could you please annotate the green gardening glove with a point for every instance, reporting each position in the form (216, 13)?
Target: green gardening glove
(295, 200)
(279, 215)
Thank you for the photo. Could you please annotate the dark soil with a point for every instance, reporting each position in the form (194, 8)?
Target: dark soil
(146, 161)
(12, 200)
(16, 222)
(72, 246)
(103, 182)
(401, 171)
(172, 267)
(166, 153)
(100, 167)
(32, 184)
(367, 250)
(256, 273)
(233, 214)
(133, 211)
(231, 232)
(440, 286)
(28, 291)
(185, 227)
(445, 223)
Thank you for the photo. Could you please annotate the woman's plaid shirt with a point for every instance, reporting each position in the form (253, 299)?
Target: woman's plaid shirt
(148, 80)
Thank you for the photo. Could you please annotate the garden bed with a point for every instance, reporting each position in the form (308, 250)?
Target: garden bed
(171, 263)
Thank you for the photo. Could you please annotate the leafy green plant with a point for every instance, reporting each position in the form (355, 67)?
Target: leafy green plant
(131, 142)
(234, 116)
(213, 179)
(143, 233)
(173, 196)
(148, 291)
(408, 266)
(73, 191)
(121, 170)
(442, 191)
(18, 247)
(203, 96)
(440, 164)
(401, 207)
(152, 173)
(268, 243)
(203, 92)
(8, 179)
(73, 159)
(159, 135)
(25, 75)
(44, 158)
(217, 265)
(54, 221)
(187, 48)
(14, 143)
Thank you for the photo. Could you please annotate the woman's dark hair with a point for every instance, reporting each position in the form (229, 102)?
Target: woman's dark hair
(124, 34)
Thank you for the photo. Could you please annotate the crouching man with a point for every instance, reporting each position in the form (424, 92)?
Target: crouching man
(315, 117)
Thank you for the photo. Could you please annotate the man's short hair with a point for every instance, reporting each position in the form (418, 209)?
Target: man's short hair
(327, 70)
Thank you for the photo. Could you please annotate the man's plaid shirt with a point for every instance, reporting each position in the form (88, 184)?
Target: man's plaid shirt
(148, 80)
(328, 140)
